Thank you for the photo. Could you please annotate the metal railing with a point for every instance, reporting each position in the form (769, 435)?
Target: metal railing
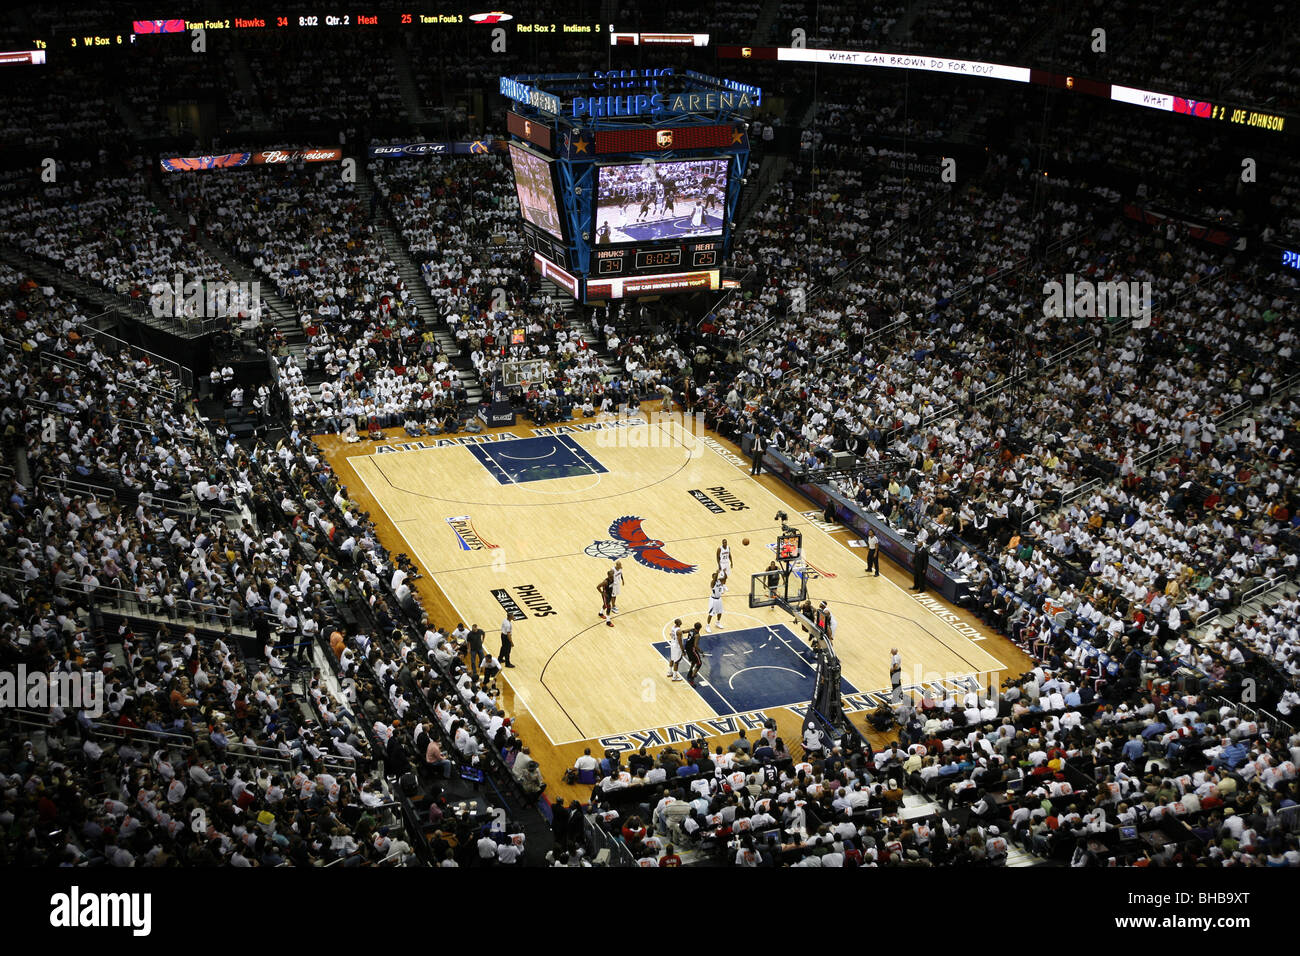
(64, 408)
(760, 329)
(183, 374)
(148, 499)
(48, 359)
(1256, 590)
(884, 330)
(182, 610)
(1080, 491)
(1237, 411)
(726, 296)
(598, 839)
(183, 742)
(1270, 721)
(77, 487)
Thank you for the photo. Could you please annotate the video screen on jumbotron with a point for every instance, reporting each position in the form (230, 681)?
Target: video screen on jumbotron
(535, 187)
(644, 202)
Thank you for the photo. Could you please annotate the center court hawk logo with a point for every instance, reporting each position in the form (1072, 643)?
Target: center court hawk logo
(629, 541)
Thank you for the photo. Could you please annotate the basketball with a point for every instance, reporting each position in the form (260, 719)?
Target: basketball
(745, 542)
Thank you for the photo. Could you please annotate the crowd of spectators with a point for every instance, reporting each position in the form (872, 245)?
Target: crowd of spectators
(313, 238)
(202, 581)
(99, 222)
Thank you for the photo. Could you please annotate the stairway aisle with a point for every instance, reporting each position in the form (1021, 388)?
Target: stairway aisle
(276, 310)
(574, 320)
(417, 289)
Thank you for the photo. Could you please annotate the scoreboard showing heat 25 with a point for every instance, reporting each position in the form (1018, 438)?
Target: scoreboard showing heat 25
(628, 181)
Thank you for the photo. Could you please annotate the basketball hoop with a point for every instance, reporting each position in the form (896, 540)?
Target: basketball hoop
(523, 372)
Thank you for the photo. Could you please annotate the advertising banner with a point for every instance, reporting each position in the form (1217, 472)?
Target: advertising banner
(310, 154)
(477, 147)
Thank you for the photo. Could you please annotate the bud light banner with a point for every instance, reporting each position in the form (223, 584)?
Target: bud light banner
(477, 147)
(309, 154)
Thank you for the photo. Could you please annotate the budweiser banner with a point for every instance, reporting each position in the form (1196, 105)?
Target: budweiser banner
(34, 57)
(326, 154)
(477, 147)
(310, 154)
(1204, 231)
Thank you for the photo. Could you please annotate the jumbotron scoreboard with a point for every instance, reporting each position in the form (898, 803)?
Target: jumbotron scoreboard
(628, 181)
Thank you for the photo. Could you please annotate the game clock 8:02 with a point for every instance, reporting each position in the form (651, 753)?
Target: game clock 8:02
(659, 258)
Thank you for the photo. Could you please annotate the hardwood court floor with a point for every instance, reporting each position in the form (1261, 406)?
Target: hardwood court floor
(528, 521)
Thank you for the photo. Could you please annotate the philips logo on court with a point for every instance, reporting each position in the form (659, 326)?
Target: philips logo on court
(727, 498)
(532, 597)
(718, 493)
(708, 502)
(512, 608)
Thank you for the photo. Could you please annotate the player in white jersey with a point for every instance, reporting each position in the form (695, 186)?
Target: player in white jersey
(615, 587)
(715, 604)
(675, 650)
(724, 560)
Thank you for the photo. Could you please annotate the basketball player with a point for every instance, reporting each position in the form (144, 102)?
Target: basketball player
(772, 579)
(645, 207)
(691, 651)
(715, 604)
(697, 215)
(724, 560)
(826, 621)
(675, 650)
(615, 586)
(605, 598)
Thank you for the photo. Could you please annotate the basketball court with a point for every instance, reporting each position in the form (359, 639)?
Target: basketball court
(527, 521)
(668, 227)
